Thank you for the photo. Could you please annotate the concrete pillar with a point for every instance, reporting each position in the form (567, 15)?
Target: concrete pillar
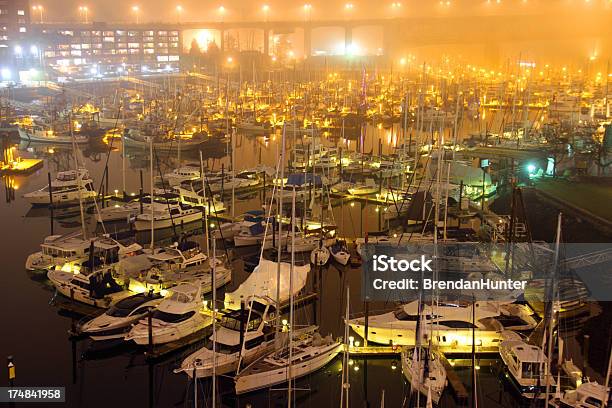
(266, 42)
(307, 41)
(348, 37)
(222, 39)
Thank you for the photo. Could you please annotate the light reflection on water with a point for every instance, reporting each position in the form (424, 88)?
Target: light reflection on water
(38, 333)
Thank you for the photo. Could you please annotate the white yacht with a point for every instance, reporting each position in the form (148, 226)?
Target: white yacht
(126, 211)
(165, 267)
(166, 216)
(68, 188)
(526, 366)
(177, 316)
(311, 352)
(257, 333)
(93, 284)
(177, 176)
(424, 371)
(254, 233)
(586, 395)
(40, 133)
(369, 187)
(118, 319)
(452, 320)
(66, 252)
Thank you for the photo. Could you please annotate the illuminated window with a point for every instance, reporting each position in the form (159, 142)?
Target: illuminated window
(22, 29)
(21, 12)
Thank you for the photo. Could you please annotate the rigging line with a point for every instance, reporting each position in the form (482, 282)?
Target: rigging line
(163, 188)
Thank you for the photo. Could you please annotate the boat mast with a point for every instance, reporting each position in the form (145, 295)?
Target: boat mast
(78, 176)
(204, 205)
(344, 396)
(289, 390)
(280, 226)
(551, 312)
(151, 198)
(213, 285)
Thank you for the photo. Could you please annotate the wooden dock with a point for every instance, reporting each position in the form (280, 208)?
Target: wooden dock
(453, 380)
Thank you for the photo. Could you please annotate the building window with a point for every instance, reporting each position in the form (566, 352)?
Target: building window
(21, 12)
(22, 29)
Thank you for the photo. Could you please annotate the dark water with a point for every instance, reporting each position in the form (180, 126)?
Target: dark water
(35, 332)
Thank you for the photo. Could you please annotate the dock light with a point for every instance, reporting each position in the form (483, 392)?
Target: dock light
(351, 340)
(357, 343)
(352, 204)
(531, 168)
(6, 74)
(394, 365)
(212, 225)
(351, 362)
(356, 367)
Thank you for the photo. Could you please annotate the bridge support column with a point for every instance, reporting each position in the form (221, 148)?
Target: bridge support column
(222, 39)
(266, 42)
(348, 38)
(307, 41)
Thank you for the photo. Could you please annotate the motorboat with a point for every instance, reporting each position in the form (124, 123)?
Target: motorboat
(125, 211)
(526, 367)
(167, 216)
(68, 188)
(180, 175)
(67, 252)
(586, 395)
(41, 134)
(453, 322)
(118, 319)
(250, 326)
(320, 255)
(93, 284)
(177, 316)
(311, 352)
(340, 252)
(168, 266)
(425, 371)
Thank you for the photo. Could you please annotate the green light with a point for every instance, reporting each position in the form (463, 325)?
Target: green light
(531, 168)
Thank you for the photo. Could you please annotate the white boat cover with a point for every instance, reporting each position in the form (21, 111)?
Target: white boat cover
(262, 282)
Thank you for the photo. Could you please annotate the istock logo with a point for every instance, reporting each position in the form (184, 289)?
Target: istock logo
(383, 263)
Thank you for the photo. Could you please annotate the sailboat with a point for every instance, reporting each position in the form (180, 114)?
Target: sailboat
(311, 352)
(425, 372)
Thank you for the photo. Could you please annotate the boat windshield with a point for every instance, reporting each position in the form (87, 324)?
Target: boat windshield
(530, 370)
(171, 317)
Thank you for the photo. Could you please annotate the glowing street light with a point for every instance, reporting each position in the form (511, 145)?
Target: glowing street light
(348, 6)
(84, 11)
(221, 11)
(136, 11)
(40, 10)
(307, 10)
(403, 61)
(396, 5)
(179, 10)
(265, 8)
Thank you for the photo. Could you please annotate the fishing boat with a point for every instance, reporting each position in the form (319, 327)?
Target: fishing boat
(526, 367)
(166, 217)
(251, 324)
(118, 319)
(92, 285)
(139, 139)
(310, 353)
(68, 188)
(425, 372)
(453, 321)
(177, 316)
(41, 134)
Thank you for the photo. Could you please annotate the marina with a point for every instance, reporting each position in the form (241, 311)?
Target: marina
(234, 221)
